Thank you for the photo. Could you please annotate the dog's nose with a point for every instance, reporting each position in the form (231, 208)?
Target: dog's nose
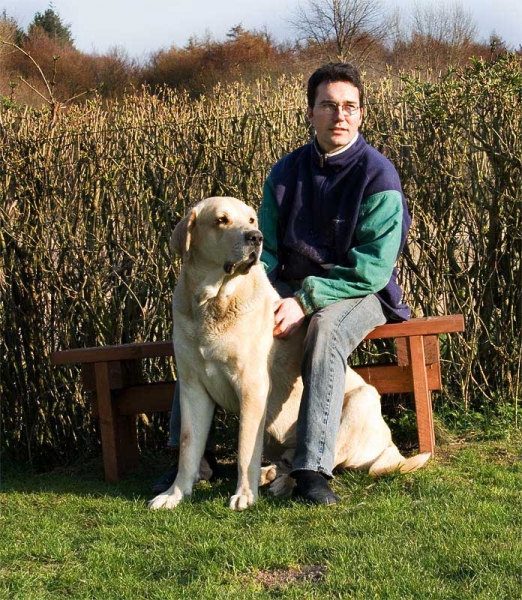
(254, 237)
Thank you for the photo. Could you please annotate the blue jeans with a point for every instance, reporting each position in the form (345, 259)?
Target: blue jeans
(333, 334)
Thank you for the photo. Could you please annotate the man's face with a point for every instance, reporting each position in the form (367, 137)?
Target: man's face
(333, 127)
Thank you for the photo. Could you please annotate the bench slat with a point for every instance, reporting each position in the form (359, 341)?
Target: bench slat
(145, 398)
(134, 351)
(394, 379)
(420, 326)
(139, 350)
(157, 397)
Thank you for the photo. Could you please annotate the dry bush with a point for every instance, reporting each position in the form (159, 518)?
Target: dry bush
(457, 145)
(88, 197)
(202, 64)
(70, 74)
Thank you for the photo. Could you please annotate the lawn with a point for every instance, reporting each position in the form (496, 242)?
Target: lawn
(452, 530)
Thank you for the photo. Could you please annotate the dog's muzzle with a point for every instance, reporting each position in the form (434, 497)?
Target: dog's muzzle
(253, 245)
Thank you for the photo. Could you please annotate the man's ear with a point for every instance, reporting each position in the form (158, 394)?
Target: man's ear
(179, 243)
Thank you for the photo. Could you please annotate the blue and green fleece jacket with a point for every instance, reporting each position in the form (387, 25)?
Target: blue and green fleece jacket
(336, 224)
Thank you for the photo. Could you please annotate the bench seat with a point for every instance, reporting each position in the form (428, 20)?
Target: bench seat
(111, 374)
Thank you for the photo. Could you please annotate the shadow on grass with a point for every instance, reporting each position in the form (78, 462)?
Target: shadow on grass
(86, 479)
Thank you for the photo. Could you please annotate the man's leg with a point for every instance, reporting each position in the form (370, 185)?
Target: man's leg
(333, 333)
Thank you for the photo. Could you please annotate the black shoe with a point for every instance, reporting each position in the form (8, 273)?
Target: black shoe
(312, 487)
(207, 472)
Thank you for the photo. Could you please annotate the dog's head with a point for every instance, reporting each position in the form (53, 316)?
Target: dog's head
(220, 231)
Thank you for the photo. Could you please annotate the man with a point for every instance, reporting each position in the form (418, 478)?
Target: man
(334, 221)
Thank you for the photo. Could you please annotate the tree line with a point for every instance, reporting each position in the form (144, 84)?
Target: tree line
(43, 59)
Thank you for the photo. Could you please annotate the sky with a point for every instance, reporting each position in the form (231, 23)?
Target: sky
(141, 27)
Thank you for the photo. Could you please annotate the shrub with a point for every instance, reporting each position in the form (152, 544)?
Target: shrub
(89, 195)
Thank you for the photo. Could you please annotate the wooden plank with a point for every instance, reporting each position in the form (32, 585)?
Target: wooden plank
(151, 397)
(420, 326)
(128, 448)
(135, 351)
(422, 395)
(157, 397)
(139, 350)
(116, 378)
(394, 379)
(402, 351)
(108, 424)
(137, 399)
(121, 374)
(431, 350)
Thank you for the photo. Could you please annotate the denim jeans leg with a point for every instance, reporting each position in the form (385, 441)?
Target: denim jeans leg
(333, 333)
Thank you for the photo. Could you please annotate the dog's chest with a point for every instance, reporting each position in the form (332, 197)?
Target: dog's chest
(217, 380)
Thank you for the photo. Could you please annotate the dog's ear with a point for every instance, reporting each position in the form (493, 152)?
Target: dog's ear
(179, 243)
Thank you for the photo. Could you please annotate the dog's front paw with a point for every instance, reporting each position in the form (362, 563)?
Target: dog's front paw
(242, 500)
(165, 501)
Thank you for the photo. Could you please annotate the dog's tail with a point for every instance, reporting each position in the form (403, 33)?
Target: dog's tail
(391, 460)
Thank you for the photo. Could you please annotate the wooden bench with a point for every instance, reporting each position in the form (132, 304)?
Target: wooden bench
(111, 373)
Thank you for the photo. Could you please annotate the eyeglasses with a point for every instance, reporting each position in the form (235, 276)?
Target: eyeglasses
(331, 108)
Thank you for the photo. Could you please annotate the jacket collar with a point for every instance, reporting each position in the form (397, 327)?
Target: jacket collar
(336, 158)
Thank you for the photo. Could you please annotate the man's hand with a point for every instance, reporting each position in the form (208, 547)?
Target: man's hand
(288, 317)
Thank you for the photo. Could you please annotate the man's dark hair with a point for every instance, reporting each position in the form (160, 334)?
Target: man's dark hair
(330, 73)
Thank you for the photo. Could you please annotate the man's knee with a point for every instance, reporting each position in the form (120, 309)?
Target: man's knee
(343, 325)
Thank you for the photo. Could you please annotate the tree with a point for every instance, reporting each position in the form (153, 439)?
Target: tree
(245, 54)
(434, 37)
(51, 25)
(342, 29)
(497, 45)
(9, 30)
(448, 24)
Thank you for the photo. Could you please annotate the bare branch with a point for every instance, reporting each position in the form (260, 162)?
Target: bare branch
(51, 100)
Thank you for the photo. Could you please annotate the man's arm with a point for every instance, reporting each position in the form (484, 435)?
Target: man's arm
(268, 218)
(369, 264)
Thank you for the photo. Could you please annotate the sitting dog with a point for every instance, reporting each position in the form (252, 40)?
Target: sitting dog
(223, 311)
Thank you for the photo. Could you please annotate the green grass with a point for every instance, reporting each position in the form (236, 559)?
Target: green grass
(452, 530)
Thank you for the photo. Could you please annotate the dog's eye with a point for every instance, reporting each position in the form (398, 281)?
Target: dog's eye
(222, 220)
(252, 221)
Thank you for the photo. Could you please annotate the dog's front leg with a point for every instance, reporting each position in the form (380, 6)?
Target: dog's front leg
(251, 433)
(197, 410)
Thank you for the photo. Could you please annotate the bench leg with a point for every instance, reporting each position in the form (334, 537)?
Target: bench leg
(422, 395)
(109, 425)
